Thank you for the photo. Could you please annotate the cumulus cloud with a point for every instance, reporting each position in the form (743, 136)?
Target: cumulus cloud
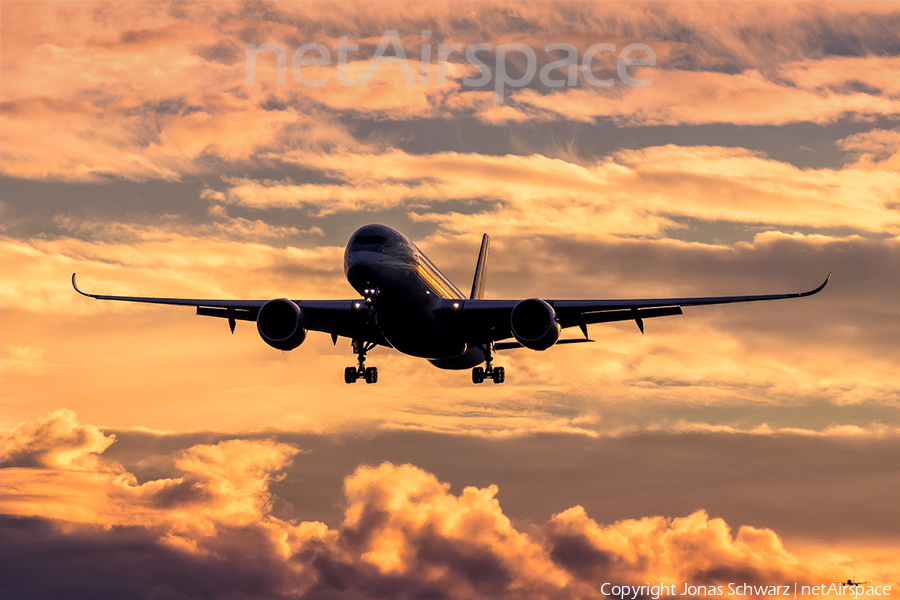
(53, 469)
(694, 549)
(404, 534)
(56, 441)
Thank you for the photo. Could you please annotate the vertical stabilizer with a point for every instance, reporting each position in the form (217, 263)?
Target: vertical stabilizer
(480, 268)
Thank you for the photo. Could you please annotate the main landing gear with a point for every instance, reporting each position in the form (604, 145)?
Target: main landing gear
(497, 374)
(370, 374)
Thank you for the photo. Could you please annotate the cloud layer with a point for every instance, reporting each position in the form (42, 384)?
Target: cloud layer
(211, 532)
(85, 98)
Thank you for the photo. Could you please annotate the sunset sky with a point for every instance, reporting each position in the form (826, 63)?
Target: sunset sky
(149, 453)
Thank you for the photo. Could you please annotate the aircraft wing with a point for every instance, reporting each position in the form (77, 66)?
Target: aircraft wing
(480, 316)
(347, 318)
(480, 321)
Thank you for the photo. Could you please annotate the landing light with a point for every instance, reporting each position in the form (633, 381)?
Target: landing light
(357, 305)
(456, 305)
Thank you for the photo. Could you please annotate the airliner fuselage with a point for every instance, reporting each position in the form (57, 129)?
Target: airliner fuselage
(412, 302)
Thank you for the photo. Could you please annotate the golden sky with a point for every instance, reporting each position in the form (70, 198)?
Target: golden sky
(737, 444)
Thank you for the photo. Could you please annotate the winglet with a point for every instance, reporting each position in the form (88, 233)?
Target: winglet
(75, 285)
(480, 269)
(818, 289)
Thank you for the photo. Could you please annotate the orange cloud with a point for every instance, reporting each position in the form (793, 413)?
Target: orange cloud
(166, 258)
(91, 92)
(53, 469)
(672, 551)
(57, 441)
(634, 192)
(876, 149)
(403, 534)
(749, 98)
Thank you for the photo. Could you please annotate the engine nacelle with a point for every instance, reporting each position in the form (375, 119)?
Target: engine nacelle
(281, 324)
(534, 324)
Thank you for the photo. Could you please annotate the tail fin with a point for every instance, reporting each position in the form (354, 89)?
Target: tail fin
(480, 268)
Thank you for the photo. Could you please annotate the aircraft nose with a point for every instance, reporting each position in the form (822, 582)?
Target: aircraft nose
(361, 270)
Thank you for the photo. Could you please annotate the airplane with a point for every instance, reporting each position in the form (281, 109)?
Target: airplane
(852, 583)
(406, 303)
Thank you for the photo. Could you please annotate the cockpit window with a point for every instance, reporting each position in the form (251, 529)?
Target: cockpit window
(371, 240)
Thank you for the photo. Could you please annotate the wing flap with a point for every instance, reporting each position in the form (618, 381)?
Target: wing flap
(514, 345)
(626, 315)
(238, 314)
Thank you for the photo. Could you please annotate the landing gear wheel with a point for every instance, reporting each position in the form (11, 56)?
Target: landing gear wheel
(488, 371)
(351, 374)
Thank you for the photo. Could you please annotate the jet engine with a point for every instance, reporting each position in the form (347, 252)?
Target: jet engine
(534, 324)
(281, 324)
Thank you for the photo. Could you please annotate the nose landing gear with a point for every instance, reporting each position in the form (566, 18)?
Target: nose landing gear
(370, 374)
(497, 374)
